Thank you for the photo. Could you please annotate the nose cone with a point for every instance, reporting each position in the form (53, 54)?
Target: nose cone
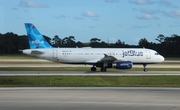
(161, 59)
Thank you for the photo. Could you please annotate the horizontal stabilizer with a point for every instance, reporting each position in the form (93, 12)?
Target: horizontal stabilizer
(36, 52)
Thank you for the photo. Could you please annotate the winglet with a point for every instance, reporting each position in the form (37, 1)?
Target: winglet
(36, 40)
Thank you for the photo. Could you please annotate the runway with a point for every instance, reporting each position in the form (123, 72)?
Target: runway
(95, 98)
(89, 73)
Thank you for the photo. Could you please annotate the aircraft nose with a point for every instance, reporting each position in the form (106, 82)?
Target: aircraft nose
(162, 58)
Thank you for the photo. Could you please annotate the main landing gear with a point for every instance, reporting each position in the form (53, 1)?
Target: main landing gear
(102, 69)
(93, 68)
(145, 69)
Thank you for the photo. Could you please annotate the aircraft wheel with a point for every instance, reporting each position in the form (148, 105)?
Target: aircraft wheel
(93, 68)
(103, 69)
(145, 69)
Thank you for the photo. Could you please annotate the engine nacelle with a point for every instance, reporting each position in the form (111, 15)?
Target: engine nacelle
(123, 65)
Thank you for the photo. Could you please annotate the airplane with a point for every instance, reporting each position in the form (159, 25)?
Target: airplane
(119, 58)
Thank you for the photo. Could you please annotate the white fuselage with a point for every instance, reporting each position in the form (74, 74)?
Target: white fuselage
(85, 55)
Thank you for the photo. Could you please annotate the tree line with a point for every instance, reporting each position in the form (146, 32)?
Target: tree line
(168, 46)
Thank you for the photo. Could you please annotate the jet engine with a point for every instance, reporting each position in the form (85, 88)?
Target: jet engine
(123, 65)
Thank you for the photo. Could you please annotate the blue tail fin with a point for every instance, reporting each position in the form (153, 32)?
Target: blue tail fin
(36, 40)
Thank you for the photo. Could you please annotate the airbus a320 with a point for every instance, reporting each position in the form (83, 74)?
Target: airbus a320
(119, 58)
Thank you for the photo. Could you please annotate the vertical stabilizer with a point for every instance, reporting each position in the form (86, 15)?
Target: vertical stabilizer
(35, 39)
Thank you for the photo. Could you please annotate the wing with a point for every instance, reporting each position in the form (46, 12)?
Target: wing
(105, 59)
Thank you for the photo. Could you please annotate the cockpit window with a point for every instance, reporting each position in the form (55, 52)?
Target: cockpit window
(156, 54)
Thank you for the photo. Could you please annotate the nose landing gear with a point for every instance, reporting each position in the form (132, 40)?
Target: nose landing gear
(145, 69)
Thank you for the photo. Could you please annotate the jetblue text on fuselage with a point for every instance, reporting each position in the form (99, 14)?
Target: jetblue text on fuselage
(132, 53)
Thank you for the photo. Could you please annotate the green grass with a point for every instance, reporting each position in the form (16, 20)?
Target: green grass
(16, 57)
(44, 68)
(84, 81)
(156, 69)
(90, 81)
(78, 69)
(172, 58)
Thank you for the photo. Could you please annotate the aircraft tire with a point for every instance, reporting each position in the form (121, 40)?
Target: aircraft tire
(103, 69)
(93, 68)
(145, 69)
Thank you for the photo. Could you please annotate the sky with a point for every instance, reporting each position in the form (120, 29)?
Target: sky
(108, 20)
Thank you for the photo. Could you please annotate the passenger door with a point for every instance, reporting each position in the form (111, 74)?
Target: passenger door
(55, 54)
(148, 54)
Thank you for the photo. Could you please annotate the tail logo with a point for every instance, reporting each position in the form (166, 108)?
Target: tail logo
(37, 42)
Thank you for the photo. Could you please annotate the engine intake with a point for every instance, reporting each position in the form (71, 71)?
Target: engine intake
(123, 65)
